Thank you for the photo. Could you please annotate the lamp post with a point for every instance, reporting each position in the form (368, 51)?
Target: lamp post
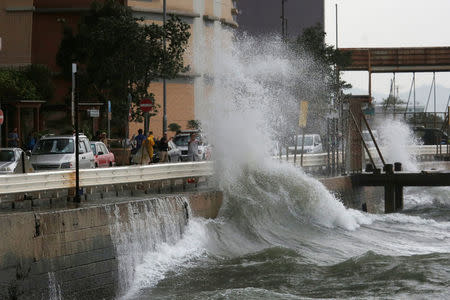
(78, 191)
(164, 77)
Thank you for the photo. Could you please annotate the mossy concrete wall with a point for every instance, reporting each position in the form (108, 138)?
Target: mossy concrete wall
(72, 245)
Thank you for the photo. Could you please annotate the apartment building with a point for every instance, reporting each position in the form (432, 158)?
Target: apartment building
(31, 31)
(263, 17)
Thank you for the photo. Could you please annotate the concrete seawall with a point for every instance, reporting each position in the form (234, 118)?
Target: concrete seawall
(70, 252)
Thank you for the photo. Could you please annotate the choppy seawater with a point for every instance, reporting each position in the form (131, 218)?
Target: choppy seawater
(271, 244)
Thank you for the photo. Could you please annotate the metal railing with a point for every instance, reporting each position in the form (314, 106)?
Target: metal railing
(321, 159)
(32, 182)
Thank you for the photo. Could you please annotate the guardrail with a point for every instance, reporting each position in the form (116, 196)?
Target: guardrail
(321, 159)
(31, 182)
(43, 181)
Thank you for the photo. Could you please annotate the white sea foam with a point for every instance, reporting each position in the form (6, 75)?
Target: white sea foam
(398, 141)
(143, 227)
(168, 257)
(254, 103)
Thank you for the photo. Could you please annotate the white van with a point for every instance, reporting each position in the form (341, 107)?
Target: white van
(57, 152)
(312, 144)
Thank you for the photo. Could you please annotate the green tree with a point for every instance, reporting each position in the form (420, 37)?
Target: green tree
(194, 124)
(120, 55)
(32, 82)
(326, 63)
(174, 127)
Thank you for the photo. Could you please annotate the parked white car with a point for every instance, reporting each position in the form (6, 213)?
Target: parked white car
(58, 152)
(11, 161)
(312, 144)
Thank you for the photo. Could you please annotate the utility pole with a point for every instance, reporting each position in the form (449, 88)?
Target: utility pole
(283, 21)
(164, 77)
(127, 133)
(74, 70)
(414, 109)
(340, 138)
(78, 191)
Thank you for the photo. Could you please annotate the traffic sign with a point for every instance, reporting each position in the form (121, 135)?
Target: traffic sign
(1, 117)
(146, 105)
(94, 113)
(303, 114)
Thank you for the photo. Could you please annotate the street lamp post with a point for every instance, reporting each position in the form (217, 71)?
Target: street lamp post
(164, 77)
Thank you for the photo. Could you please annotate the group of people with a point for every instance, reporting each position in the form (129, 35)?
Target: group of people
(143, 148)
(14, 141)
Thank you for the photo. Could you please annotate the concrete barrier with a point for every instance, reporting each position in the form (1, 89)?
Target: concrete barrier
(70, 251)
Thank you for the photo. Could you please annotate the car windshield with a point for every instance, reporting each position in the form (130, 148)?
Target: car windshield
(308, 140)
(54, 146)
(181, 140)
(6, 155)
(93, 149)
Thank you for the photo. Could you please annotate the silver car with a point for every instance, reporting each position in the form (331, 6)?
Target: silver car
(57, 152)
(11, 161)
(312, 144)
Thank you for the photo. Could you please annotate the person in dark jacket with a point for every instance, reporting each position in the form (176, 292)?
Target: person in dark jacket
(163, 148)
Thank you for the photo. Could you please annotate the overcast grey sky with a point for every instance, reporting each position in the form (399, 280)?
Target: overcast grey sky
(391, 23)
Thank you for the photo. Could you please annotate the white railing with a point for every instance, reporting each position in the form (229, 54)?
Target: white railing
(320, 159)
(32, 182)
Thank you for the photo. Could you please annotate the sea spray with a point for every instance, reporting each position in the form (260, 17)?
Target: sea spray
(280, 234)
(140, 227)
(53, 287)
(254, 98)
(397, 141)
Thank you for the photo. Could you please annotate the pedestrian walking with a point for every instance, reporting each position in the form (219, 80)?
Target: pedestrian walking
(139, 139)
(104, 139)
(31, 141)
(192, 154)
(13, 139)
(150, 144)
(141, 156)
(163, 149)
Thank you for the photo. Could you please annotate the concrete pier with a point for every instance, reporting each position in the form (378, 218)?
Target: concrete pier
(393, 184)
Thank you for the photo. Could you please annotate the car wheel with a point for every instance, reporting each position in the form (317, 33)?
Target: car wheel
(110, 164)
(96, 165)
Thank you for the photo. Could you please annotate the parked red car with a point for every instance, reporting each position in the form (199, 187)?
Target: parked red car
(103, 157)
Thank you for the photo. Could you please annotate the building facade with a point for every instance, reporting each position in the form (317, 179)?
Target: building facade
(31, 32)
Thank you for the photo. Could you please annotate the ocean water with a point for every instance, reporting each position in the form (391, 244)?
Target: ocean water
(280, 234)
(290, 250)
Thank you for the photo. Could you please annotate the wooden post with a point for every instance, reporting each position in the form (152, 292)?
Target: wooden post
(389, 198)
(398, 197)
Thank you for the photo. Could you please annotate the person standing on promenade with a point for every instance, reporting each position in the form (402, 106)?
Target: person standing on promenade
(150, 144)
(163, 148)
(139, 139)
(192, 154)
(104, 139)
(13, 139)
